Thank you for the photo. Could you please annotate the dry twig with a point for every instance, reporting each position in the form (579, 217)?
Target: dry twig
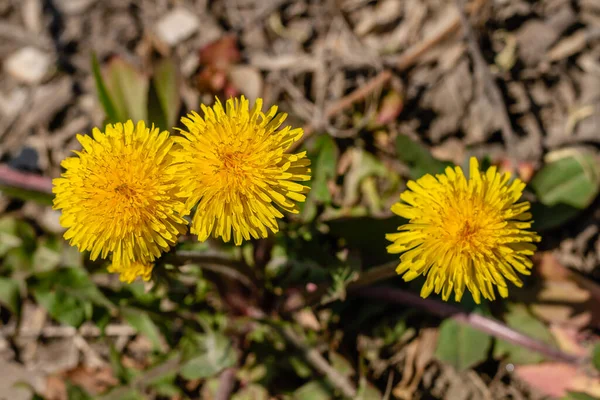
(409, 57)
(359, 94)
(226, 384)
(319, 363)
(69, 331)
(233, 269)
(347, 101)
(487, 80)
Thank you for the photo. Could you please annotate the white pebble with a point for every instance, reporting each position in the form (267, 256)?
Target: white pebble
(178, 25)
(28, 65)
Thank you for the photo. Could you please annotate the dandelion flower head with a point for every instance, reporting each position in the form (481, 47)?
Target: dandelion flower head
(233, 165)
(118, 197)
(128, 273)
(464, 233)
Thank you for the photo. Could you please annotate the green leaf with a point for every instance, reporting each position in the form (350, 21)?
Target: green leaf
(75, 282)
(364, 164)
(460, 345)
(168, 389)
(141, 321)
(519, 318)
(341, 277)
(18, 259)
(341, 364)
(165, 383)
(572, 178)
(64, 308)
(15, 234)
(27, 195)
(131, 394)
(546, 218)
(254, 373)
(165, 83)
(366, 235)
(578, 396)
(210, 388)
(367, 391)
(156, 115)
(324, 158)
(596, 356)
(112, 114)
(324, 168)
(10, 295)
(314, 390)
(76, 393)
(160, 374)
(301, 368)
(47, 255)
(123, 374)
(418, 158)
(68, 295)
(215, 354)
(9, 239)
(252, 392)
(128, 88)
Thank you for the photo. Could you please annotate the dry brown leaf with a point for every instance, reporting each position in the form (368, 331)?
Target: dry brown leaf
(550, 268)
(307, 319)
(221, 53)
(560, 299)
(553, 378)
(403, 389)
(56, 389)
(507, 58)
(427, 344)
(391, 107)
(93, 380)
(586, 384)
(576, 115)
(556, 379)
(568, 46)
(217, 59)
(567, 338)
(566, 297)
(419, 353)
(525, 170)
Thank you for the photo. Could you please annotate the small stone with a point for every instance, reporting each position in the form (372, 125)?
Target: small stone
(28, 65)
(176, 26)
(56, 356)
(189, 64)
(26, 160)
(12, 103)
(73, 6)
(16, 379)
(247, 80)
(50, 220)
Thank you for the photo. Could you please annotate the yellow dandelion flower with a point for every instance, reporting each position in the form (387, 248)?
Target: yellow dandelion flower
(233, 164)
(118, 197)
(132, 271)
(463, 232)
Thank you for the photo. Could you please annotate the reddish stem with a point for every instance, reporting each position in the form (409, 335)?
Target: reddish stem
(10, 177)
(479, 322)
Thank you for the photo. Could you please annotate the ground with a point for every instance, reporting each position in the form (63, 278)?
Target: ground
(374, 84)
